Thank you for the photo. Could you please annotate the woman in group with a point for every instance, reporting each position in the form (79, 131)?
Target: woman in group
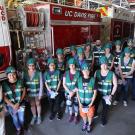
(89, 55)
(14, 93)
(86, 93)
(117, 55)
(34, 86)
(69, 83)
(52, 81)
(126, 67)
(81, 58)
(109, 56)
(106, 87)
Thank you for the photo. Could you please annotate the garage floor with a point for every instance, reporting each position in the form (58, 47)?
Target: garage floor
(121, 122)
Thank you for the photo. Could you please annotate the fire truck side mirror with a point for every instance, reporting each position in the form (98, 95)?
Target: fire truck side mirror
(1, 59)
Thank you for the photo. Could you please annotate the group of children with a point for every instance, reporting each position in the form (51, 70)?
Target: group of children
(81, 80)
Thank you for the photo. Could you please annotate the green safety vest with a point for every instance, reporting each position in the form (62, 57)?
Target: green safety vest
(117, 56)
(86, 95)
(89, 59)
(32, 85)
(52, 79)
(127, 68)
(98, 52)
(110, 59)
(61, 66)
(71, 84)
(13, 95)
(104, 86)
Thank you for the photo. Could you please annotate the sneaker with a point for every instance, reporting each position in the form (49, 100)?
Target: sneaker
(125, 103)
(39, 120)
(76, 120)
(115, 102)
(52, 116)
(33, 121)
(71, 118)
(88, 128)
(84, 127)
(59, 116)
(102, 125)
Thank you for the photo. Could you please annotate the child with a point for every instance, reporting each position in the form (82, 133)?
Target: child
(52, 82)
(34, 86)
(86, 96)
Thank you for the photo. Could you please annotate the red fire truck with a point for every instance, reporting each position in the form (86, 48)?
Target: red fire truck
(5, 44)
(62, 25)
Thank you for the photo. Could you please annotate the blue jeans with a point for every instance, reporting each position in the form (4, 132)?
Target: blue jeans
(18, 117)
(126, 87)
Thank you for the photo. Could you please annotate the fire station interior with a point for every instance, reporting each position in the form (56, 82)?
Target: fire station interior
(32, 36)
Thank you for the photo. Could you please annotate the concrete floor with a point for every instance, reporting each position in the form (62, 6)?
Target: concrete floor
(121, 122)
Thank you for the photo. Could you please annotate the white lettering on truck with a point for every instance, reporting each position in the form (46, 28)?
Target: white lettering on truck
(69, 13)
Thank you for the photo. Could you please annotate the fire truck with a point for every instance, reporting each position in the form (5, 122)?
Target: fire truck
(60, 25)
(48, 26)
(5, 43)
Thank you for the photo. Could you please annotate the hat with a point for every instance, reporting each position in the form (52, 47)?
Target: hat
(103, 60)
(80, 50)
(10, 69)
(50, 60)
(71, 61)
(117, 42)
(85, 66)
(130, 42)
(127, 50)
(59, 51)
(108, 45)
(31, 61)
(88, 43)
(72, 48)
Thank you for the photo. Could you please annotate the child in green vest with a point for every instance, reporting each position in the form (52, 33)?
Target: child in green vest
(14, 93)
(106, 87)
(86, 93)
(2, 117)
(34, 86)
(126, 67)
(69, 83)
(52, 81)
(109, 56)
